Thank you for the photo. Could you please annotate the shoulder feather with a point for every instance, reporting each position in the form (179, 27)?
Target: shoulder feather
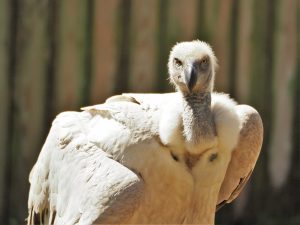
(226, 119)
(244, 155)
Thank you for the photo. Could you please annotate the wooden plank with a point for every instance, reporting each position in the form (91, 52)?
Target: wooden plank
(186, 11)
(211, 12)
(244, 51)
(4, 99)
(243, 70)
(207, 18)
(71, 46)
(220, 41)
(123, 28)
(296, 143)
(262, 72)
(30, 76)
(294, 175)
(260, 95)
(179, 19)
(104, 49)
(144, 42)
(182, 20)
(233, 57)
(285, 72)
(162, 47)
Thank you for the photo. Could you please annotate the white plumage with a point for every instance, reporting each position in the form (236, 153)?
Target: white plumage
(130, 160)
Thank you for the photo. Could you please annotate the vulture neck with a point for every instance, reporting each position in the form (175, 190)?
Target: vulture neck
(198, 122)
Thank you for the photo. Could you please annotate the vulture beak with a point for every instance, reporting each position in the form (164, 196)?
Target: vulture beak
(191, 75)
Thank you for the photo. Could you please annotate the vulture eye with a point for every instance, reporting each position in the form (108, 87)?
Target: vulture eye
(177, 62)
(204, 61)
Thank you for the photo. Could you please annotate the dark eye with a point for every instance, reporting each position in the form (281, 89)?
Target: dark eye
(204, 61)
(177, 62)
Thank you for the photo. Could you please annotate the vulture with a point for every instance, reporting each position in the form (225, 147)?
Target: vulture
(149, 158)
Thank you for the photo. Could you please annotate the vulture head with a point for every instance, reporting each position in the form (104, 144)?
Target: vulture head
(192, 67)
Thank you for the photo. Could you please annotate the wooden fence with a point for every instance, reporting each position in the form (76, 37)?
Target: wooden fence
(58, 55)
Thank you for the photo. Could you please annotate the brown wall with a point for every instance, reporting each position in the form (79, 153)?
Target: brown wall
(58, 55)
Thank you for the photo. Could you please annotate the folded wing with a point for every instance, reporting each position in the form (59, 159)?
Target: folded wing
(75, 182)
(244, 156)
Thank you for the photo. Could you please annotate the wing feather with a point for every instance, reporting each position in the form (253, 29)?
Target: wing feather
(244, 156)
(75, 182)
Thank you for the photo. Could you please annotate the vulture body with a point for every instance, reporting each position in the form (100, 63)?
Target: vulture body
(148, 158)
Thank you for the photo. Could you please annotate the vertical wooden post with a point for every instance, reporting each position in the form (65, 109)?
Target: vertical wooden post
(294, 175)
(162, 48)
(124, 46)
(4, 99)
(144, 42)
(180, 25)
(104, 50)
(30, 72)
(220, 41)
(260, 95)
(285, 65)
(242, 87)
(70, 68)
(243, 67)
(182, 21)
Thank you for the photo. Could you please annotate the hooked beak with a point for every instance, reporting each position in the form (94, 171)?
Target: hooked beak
(191, 77)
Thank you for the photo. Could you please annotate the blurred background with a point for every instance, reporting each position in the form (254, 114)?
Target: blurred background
(58, 55)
